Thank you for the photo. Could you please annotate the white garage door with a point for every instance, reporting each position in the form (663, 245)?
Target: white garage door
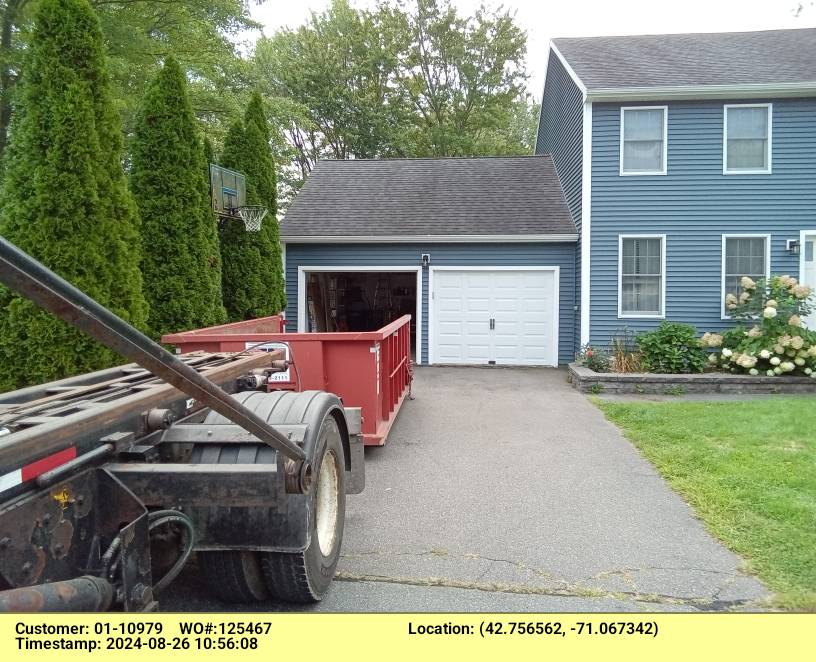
(494, 316)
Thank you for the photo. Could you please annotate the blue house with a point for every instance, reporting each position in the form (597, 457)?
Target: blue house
(687, 161)
(667, 168)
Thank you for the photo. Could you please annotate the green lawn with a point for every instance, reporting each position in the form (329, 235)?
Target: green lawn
(749, 470)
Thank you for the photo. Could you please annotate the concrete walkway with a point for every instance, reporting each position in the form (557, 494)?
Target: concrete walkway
(506, 490)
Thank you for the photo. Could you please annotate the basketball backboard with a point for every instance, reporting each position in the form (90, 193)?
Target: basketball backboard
(228, 191)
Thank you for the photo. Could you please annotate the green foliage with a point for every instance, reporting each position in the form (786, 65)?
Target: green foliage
(64, 198)
(776, 342)
(596, 389)
(398, 80)
(181, 262)
(138, 34)
(593, 358)
(672, 348)
(252, 267)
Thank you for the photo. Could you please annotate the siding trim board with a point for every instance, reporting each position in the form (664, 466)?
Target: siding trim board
(575, 79)
(586, 223)
(662, 314)
(764, 171)
(301, 292)
(739, 235)
(803, 234)
(440, 238)
(704, 92)
(556, 304)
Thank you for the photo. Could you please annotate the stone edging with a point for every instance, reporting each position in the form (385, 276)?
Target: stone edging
(589, 381)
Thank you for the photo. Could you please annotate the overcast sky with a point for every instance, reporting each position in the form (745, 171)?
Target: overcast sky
(545, 19)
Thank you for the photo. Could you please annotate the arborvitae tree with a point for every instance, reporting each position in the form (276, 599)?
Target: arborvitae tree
(64, 197)
(252, 269)
(209, 153)
(181, 263)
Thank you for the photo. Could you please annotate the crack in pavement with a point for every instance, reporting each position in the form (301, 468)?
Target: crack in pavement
(700, 604)
(562, 587)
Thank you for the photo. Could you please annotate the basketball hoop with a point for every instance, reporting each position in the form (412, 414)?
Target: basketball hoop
(252, 216)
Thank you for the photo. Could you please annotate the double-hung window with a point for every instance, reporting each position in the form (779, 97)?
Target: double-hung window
(747, 139)
(643, 140)
(745, 255)
(641, 276)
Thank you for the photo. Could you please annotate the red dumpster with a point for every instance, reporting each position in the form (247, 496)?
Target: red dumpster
(367, 369)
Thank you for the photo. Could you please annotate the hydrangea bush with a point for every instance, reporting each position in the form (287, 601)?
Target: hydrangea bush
(769, 338)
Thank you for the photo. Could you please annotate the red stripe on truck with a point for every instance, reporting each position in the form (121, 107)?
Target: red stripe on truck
(31, 471)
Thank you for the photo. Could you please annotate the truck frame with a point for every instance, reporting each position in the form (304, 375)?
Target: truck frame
(109, 481)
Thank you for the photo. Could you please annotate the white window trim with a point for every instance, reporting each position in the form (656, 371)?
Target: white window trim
(301, 294)
(641, 173)
(761, 171)
(803, 234)
(662, 314)
(741, 235)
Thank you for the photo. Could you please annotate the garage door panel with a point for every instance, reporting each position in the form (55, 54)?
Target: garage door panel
(523, 303)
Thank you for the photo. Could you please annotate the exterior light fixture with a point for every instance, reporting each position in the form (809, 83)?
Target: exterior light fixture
(792, 246)
(426, 259)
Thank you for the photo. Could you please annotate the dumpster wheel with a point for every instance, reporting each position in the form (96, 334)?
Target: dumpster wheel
(300, 577)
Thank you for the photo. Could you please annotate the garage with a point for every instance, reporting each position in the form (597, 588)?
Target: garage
(359, 298)
(494, 316)
(480, 252)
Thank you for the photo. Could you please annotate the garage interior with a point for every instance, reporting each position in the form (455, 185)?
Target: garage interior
(360, 301)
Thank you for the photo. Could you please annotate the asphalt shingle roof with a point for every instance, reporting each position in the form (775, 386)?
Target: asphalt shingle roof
(725, 58)
(430, 197)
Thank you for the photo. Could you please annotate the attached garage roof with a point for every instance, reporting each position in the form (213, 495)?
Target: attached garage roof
(449, 199)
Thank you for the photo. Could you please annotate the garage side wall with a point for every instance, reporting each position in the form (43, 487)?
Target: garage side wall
(560, 255)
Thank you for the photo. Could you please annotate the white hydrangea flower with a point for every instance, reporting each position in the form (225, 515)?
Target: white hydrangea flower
(769, 313)
(801, 291)
(745, 296)
(797, 342)
(771, 303)
(776, 360)
(770, 373)
(755, 332)
(765, 354)
(799, 361)
(795, 320)
(753, 371)
(808, 371)
(730, 299)
(727, 352)
(784, 341)
(787, 366)
(777, 370)
(747, 283)
(712, 358)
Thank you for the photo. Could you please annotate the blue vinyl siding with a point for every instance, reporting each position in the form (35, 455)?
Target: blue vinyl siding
(560, 133)
(695, 204)
(516, 254)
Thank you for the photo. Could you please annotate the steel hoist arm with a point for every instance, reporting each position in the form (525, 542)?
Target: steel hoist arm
(32, 280)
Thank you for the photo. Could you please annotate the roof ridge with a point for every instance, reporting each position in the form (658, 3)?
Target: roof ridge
(683, 34)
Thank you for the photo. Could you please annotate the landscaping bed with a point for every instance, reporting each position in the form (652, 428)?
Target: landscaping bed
(749, 471)
(589, 381)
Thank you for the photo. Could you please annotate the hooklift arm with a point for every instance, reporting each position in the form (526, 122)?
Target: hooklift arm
(33, 280)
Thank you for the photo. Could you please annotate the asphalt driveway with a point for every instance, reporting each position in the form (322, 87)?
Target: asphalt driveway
(504, 490)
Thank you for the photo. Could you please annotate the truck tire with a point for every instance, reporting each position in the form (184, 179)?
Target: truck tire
(247, 576)
(305, 576)
(234, 576)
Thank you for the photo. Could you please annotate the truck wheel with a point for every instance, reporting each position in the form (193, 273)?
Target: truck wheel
(305, 576)
(234, 576)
